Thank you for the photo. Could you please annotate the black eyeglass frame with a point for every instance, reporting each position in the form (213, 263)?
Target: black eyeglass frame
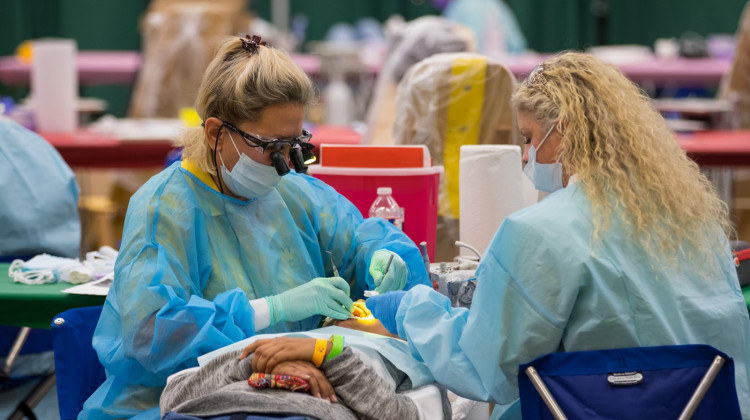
(302, 141)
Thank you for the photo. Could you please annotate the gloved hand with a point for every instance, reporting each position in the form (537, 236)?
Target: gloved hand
(328, 296)
(384, 307)
(395, 278)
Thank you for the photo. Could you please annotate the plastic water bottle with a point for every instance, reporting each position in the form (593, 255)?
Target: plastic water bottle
(386, 207)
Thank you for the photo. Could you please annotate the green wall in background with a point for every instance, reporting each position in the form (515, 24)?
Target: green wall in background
(94, 24)
(553, 25)
(549, 25)
(321, 14)
(642, 21)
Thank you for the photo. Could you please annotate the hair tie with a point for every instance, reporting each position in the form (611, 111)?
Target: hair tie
(251, 44)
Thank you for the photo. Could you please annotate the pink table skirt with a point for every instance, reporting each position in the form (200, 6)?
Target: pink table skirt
(120, 67)
(94, 68)
(683, 71)
(718, 147)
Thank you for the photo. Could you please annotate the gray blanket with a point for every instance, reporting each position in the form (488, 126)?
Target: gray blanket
(221, 387)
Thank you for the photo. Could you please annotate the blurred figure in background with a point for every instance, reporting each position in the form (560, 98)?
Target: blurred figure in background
(179, 40)
(493, 23)
(736, 88)
(444, 102)
(38, 214)
(409, 44)
(39, 207)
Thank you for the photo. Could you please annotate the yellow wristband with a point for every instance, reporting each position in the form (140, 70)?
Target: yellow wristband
(321, 345)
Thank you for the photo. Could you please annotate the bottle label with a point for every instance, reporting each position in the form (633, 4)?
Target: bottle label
(399, 223)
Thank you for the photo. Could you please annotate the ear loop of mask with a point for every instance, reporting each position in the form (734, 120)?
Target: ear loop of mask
(546, 136)
(18, 275)
(216, 146)
(220, 157)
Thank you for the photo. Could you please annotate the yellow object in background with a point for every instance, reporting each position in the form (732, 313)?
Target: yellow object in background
(190, 117)
(24, 52)
(462, 118)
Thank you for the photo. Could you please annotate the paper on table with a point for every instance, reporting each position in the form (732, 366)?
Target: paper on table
(125, 129)
(95, 287)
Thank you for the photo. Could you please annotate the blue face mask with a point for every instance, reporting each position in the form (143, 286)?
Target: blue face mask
(545, 176)
(249, 178)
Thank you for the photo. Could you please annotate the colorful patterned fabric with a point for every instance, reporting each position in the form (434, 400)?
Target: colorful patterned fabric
(292, 383)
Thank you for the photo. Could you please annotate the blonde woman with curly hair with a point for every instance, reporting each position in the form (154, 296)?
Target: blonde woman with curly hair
(630, 249)
(231, 241)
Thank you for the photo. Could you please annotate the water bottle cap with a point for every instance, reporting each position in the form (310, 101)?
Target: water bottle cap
(384, 191)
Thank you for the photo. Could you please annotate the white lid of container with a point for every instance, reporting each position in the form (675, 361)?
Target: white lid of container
(334, 170)
(384, 191)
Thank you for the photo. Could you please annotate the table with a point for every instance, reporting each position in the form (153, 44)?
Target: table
(113, 67)
(660, 71)
(116, 67)
(331, 134)
(35, 305)
(89, 149)
(678, 71)
(717, 147)
(94, 68)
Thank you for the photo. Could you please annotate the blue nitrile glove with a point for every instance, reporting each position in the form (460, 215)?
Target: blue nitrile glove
(328, 296)
(384, 307)
(396, 276)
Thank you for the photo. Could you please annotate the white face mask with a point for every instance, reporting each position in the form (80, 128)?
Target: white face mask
(45, 268)
(545, 176)
(249, 178)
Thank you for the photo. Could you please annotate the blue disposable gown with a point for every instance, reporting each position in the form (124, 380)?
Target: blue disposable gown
(545, 285)
(39, 206)
(493, 23)
(191, 258)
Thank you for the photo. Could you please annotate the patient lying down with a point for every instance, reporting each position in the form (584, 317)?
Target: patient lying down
(348, 386)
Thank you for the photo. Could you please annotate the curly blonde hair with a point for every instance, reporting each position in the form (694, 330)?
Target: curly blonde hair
(626, 157)
(237, 86)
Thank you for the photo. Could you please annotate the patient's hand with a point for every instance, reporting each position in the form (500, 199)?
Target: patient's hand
(270, 352)
(319, 385)
(370, 325)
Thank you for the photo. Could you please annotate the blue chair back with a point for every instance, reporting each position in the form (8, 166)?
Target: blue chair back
(633, 383)
(77, 366)
(234, 416)
(10, 258)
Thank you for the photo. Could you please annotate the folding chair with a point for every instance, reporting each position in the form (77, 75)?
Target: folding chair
(22, 341)
(77, 366)
(687, 381)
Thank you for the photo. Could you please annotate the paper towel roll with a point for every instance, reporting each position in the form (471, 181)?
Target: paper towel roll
(54, 85)
(490, 188)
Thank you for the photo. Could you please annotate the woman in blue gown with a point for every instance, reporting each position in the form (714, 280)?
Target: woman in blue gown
(220, 245)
